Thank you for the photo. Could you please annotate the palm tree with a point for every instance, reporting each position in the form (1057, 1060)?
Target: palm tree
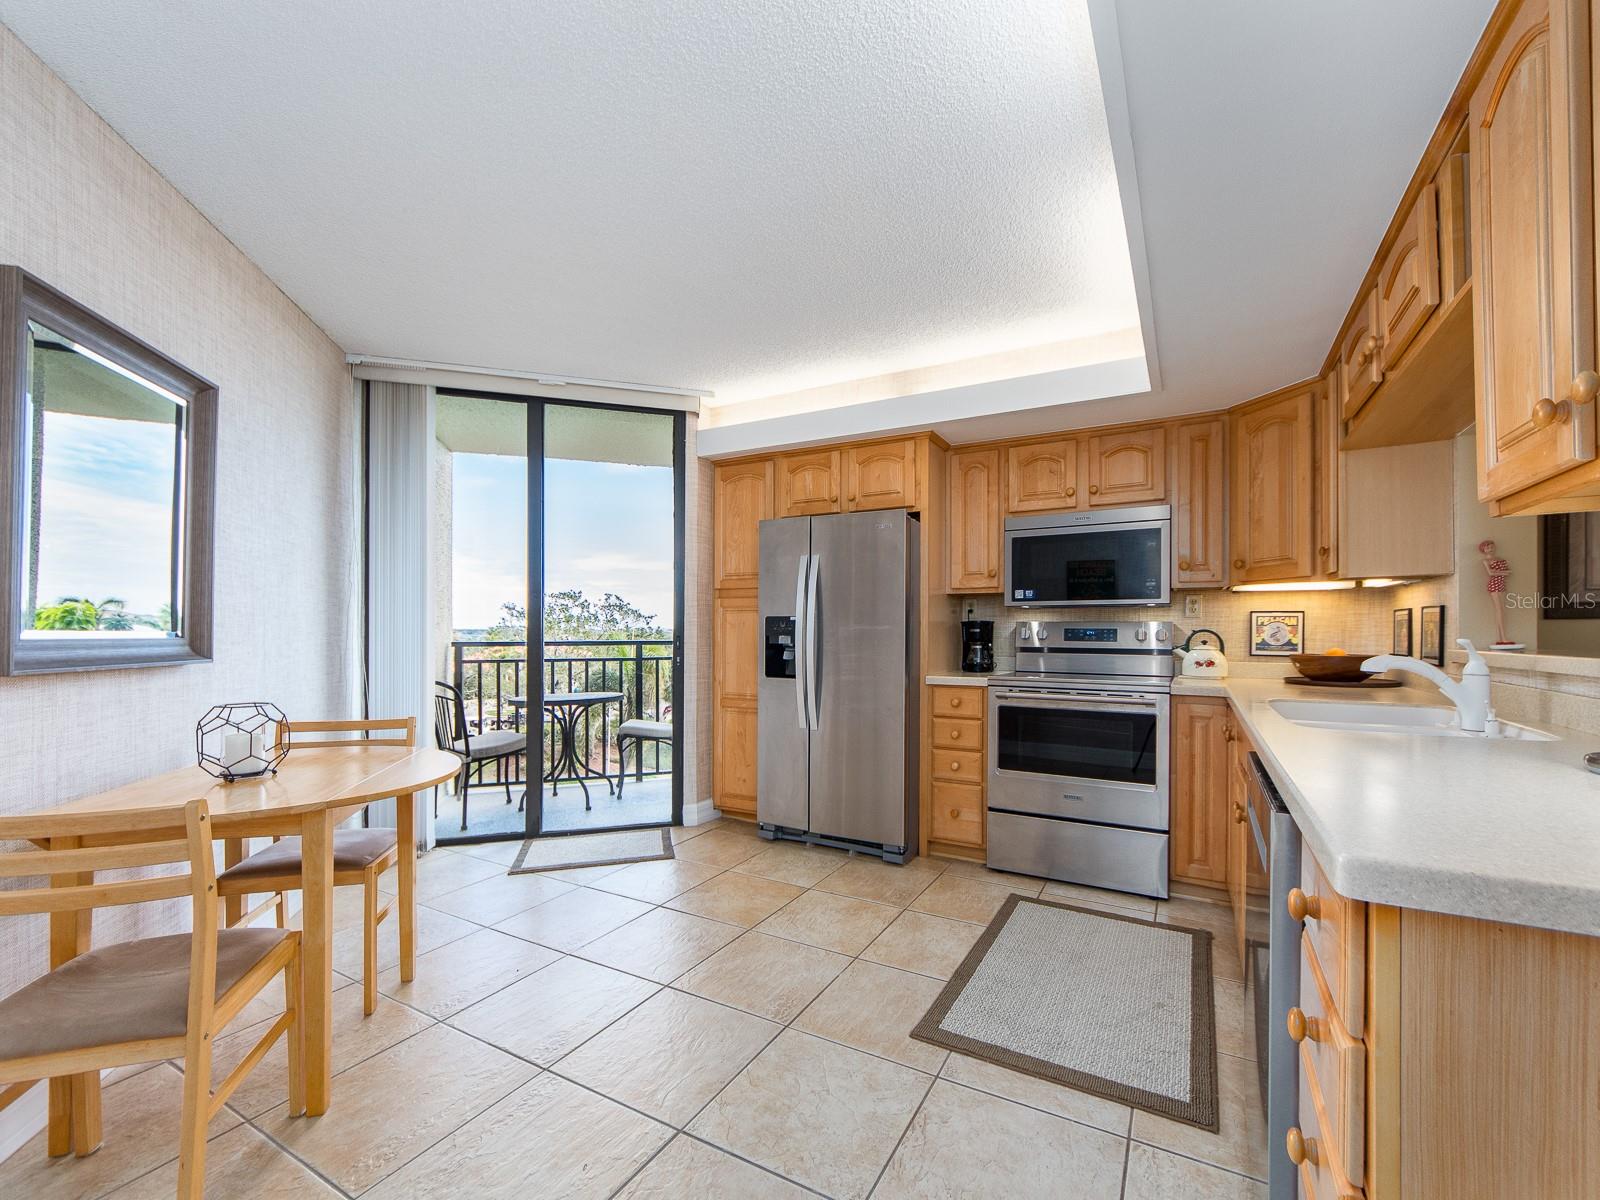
(76, 613)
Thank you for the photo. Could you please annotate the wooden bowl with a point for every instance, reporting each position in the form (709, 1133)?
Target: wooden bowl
(1332, 668)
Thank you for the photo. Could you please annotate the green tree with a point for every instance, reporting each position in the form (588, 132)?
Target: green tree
(77, 613)
(573, 616)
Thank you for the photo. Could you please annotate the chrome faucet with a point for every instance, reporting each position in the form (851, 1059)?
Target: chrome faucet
(1470, 695)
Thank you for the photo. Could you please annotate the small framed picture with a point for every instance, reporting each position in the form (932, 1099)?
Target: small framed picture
(1432, 636)
(1277, 634)
(1402, 632)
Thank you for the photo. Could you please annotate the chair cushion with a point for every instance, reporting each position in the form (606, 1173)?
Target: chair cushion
(353, 849)
(122, 993)
(659, 731)
(495, 743)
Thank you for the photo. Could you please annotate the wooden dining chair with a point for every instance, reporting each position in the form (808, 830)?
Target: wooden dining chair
(359, 855)
(146, 1000)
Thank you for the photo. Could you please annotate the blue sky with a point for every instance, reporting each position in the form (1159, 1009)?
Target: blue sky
(608, 528)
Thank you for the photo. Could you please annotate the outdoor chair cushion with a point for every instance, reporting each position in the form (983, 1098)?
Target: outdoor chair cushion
(123, 993)
(658, 731)
(353, 849)
(495, 743)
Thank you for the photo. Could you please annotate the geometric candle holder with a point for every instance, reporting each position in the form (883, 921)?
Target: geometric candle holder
(241, 741)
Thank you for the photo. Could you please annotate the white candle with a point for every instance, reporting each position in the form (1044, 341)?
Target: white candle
(236, 753)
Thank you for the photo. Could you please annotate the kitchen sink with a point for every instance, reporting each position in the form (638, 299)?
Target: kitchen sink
(1393, 718)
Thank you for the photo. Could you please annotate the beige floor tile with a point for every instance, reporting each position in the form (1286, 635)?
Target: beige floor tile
(794, 862)
(978, 871)
(1156, 1175)
(239, 1163)
(355, 1037)
(440, 872)
(570, 920)
(462, 972)
(1089, 897)
(720, 848)
(1240, 1143)
(392, 1107)
(874, 879)
(1236, 1030)
(661, 945)
(658, 881)
(670, 1055)
(550, 1138)
(1218, 920)
(348, 909)
(839, 923)
(924, 943)
(582, 875)
(504, 852)
(737, 899)
(141, 1133)
(682, 833)
(691, 1170)
(964, 1143)
(874, 1008)
(434, 929)
(553, 1010)
(963, 897)
(769, 976)
(1039, 1093)
(822, 1114)
(492, 900)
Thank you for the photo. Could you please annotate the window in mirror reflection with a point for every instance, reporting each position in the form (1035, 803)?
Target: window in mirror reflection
(102, 532)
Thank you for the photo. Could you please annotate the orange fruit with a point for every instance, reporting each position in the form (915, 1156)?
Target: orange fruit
(1336, 651)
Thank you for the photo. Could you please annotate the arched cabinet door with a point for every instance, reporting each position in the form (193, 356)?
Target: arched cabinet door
(743, 499)
(1128, 467)
(1271, 533)
(881, 475)
(1042, 476)
(974, 521)
(808, 483)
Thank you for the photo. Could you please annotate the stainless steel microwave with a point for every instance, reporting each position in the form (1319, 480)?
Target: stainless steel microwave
(1090, 560)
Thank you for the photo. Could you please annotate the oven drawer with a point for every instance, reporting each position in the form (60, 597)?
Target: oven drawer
(1079, 800)
(1126, 860)
(1337, 1062)
(957, 734)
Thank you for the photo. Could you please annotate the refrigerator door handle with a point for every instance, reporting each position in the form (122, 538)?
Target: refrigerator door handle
(813, 689)
(800, 594)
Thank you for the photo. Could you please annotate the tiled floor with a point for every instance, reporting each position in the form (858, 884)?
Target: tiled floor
(729, 1024)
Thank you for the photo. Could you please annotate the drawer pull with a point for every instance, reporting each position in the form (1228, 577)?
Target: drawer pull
(955, 765)
(1302, 906)
(955, 735)
(955, 814)
(955, 701)
(1302, 1149)
(1302, 1027)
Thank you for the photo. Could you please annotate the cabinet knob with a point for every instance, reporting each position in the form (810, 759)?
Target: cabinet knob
(1301, 1026)
(1368, 349)
(1183, 564)
(1546, 412)
(1238, 564)
(955, 701)
(1238, 813)
(955, 735)
(1071, 492)
(1094, 489)
(955, 814)
(1303, 907)
(992, 572)
(1584, 388)
(1301, 1148)
(1322, 550)
(955, 765)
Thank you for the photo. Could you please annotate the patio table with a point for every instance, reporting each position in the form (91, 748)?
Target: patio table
(566, 709)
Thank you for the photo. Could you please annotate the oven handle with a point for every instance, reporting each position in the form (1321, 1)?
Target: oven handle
(1035, 700)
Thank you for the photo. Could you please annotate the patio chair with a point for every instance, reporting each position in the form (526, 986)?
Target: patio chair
(639, 731)
(145, 1000)
(478, 750)
(360, 856)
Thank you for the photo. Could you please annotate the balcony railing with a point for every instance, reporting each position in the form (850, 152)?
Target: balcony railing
(490, 673)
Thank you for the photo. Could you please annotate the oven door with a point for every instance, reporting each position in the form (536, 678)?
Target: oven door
(1099, 757)
(1095, 565)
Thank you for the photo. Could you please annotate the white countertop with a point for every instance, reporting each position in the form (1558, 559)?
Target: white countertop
(976, 679)
(1499, 829)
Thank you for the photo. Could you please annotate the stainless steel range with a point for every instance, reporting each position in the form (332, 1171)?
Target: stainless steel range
(1078, 754)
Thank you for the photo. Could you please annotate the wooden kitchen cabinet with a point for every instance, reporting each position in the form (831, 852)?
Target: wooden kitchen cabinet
(808, 483)
(973, 521)
(1238, 831)
(1271, 529)
(1408, 281)
(743, 499)
(735, 672)
(1329, 478)
(881, 475)
(1360, 363)
(955, 766)
(1199, 503)
(1127, 466)
(1200, 767)
(1042, 476)
(1532, 246)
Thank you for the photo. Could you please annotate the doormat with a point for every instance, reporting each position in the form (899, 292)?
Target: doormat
(592, 850)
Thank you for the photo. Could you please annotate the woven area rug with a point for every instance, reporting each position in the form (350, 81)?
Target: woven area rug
(1116, 1006)
(592, 850)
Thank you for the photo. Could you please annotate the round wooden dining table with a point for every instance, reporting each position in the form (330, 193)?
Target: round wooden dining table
(313, 791)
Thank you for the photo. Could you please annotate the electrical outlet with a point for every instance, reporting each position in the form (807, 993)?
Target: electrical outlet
(1191, 606)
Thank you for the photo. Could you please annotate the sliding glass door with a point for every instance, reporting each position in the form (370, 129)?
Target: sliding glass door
(560, 532)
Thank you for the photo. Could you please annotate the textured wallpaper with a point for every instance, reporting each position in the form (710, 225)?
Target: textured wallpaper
(85, 213)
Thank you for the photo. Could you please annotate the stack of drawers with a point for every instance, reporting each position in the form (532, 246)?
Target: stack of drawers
(956, 765)
(1329, 1143)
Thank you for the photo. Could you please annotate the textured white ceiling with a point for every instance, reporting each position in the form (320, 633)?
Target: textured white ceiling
(746, 197)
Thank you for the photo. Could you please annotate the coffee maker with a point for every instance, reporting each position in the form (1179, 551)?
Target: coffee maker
(977, 645)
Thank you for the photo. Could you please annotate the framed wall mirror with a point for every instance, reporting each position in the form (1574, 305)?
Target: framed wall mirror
(106, 492)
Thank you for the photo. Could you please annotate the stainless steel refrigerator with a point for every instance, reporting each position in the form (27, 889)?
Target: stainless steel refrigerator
(838, 694)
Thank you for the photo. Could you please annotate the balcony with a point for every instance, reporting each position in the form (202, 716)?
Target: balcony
(494, 679)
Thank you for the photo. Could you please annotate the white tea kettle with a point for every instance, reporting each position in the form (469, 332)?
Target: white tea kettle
(1200, 659)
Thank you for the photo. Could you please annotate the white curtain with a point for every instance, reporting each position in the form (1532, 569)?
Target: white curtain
(399, 625)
